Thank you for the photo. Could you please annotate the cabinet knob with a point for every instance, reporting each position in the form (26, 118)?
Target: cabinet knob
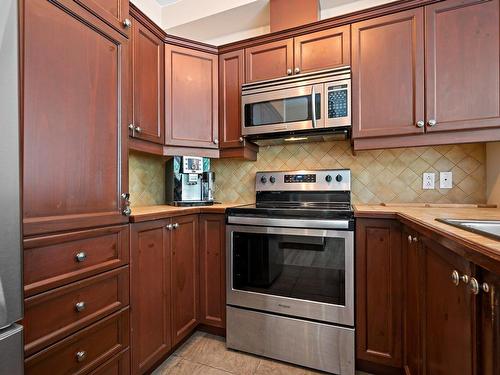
(485, 287)
(456, 278)
(138, 129)
(169, 226)
(80, 256)
(131, 126)
(297, 70)
(216, 141)
(81, 356)
(420, 124)
(240, 139)
(289, 71)
(175, 225)
(80, 306)
(409, 238)
(431, 123)
(127, 23)
(127, 211)
(474, 286)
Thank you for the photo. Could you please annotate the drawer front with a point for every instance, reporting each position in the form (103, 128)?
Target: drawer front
(67, 309)
(118, 365)
(57, 260)
(85, 350)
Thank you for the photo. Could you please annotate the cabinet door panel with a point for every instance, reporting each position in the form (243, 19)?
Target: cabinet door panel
(448, 312)
(185, 268)
(231, 76)
(490, 325)
(388, 75)
(463, 64)
(150, 293)
(114, 12)
(378, 292)
(323, 49)
(75, 159)
(191, 98)
(270, 60)
(148, 81)
(212, 270)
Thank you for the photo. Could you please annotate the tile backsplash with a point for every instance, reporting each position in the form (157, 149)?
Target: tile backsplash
(392, 175)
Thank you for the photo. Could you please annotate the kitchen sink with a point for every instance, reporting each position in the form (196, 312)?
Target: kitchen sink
(489, 228)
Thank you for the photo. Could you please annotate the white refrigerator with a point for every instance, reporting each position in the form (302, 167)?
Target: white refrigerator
(11, 294)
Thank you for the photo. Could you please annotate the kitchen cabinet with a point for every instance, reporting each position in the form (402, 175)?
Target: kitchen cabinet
(388, 75)
(448, 314)
(462, 42)
(378, 292)
(185, 280)
(148, 85)
(151, 285)
(74, 119)
(212, 270)
(303, 54)
(191, 92)
(114, 12)
(489, 356)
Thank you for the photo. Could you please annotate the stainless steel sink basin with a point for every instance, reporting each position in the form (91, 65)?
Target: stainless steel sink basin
(489, 228)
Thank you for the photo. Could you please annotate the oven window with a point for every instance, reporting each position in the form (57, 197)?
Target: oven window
(281, 111)
(302, 267)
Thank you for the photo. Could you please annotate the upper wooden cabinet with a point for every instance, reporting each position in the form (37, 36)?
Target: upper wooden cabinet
(306, 53)
(388, 75)
(114, 12)
(322, 50)
(75, 119)
(191, 92)
(148, 85)
(462, 65)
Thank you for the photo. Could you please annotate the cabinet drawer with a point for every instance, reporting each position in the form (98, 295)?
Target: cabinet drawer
(118, 365)
(72, 307)
(52, 261)
(85, 350)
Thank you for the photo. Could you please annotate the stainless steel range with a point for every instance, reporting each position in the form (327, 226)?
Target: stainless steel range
(290, 270)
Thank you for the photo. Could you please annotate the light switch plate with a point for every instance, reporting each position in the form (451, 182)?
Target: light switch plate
(445, 180)
(428, 181)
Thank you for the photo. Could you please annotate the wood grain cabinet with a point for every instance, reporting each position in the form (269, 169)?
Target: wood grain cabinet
(114, 12)
(378, 292)
(302, 54)
(74, 119)
(151, 285)
(148, 84)
(489, 356)
(191, 86)
(212, 270)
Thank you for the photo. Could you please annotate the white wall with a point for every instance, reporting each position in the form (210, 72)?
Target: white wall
(333, 8)
(150, 8)
(493, 173)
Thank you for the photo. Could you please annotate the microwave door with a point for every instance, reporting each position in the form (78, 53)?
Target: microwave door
(282, 110)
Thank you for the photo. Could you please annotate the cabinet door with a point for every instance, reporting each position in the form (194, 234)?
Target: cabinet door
(490, 325)
(378, 292)
(75, 119)
(388, 75)
(270, 60)
(412, 303)
(185, 266)
(148, 84)
(448, 312)
(150, 293)
(323, 50)
(191, 98)
(212, 270)
(114, 12)
(231, 76)
(462, 65)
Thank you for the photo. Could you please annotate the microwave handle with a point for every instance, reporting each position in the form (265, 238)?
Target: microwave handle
(313, 105)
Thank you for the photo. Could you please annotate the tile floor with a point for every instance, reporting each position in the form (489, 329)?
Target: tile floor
(205, 354)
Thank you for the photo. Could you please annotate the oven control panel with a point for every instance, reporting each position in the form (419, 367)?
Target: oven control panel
(321, 180)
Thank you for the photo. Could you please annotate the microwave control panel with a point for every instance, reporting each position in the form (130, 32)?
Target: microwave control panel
(338, 96)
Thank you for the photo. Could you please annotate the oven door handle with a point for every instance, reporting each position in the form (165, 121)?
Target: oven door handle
(287, 223)
(313, 106)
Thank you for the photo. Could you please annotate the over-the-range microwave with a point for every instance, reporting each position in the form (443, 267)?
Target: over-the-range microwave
(307, 103)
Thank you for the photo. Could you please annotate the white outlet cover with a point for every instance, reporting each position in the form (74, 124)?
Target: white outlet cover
(445, 180)
(429, 181)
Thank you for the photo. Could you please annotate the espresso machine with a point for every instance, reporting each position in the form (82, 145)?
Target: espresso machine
(189, 181)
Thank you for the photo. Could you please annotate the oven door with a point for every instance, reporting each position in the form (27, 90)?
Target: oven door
(298, 272)
(282, 110)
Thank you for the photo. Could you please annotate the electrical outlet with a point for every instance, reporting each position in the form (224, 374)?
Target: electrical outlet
(445, 180)
(429, 180)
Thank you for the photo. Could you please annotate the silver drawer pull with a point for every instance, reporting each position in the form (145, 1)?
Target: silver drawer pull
(81, 356)
(80, 306)
(80, 256)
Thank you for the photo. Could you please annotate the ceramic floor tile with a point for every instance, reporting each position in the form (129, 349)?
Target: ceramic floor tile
(167, 366)
(270, 367)
(186, 367)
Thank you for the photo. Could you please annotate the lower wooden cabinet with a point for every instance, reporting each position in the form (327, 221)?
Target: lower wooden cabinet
(212, 270)
(489, 356)
(151, 316)
(378, 292)
(118, 365)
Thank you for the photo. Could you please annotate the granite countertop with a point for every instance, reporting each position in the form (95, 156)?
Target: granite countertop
(477, 248)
